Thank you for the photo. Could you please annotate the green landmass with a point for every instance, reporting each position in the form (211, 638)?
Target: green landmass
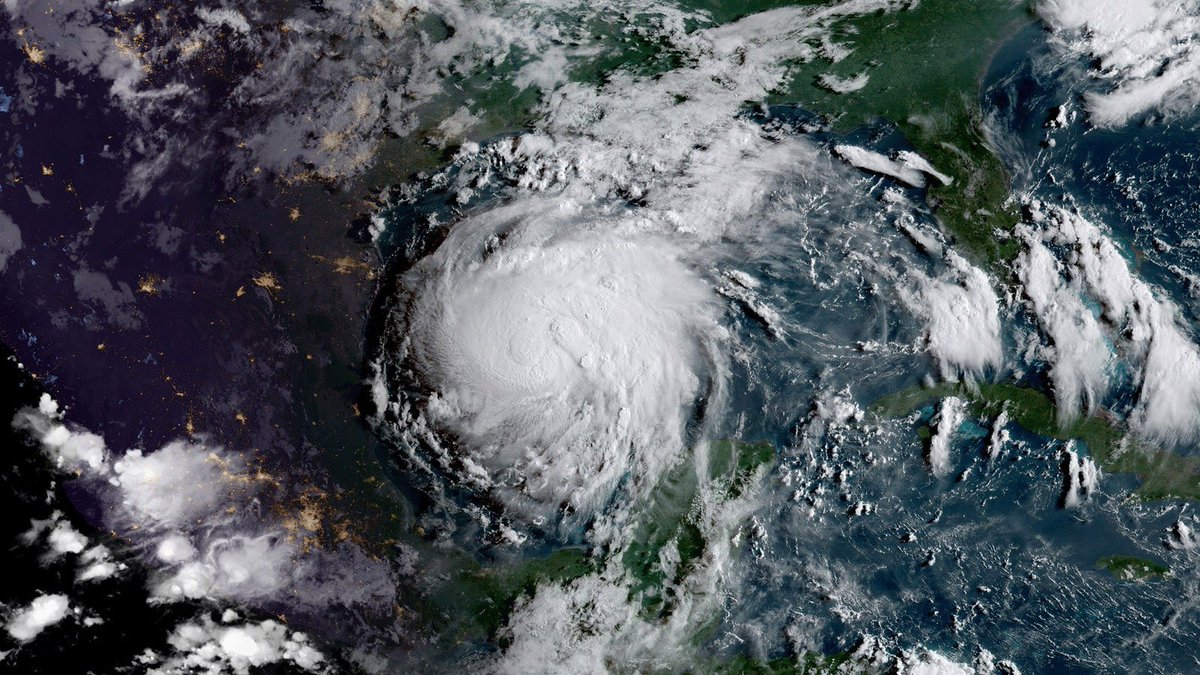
(1163, 474)
(671, 518)
(736, 464)
(925, 67)
(474, 601)
(1130, 568)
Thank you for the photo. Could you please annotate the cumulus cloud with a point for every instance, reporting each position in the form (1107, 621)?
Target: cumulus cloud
(234, 646)
(1079, 352)
(174, 485)
(961, 315)
(69, 449)
(44, 611)
(1081, 477)
(174, 548)
(244, 567)
(876, 653)
(96, 564)
(65, 539)
(589, 624)
(196, 512)
(1140, 321)
(931, 663)
(950, 416)
(1144, 55)
(1181, 537)
(551, 629)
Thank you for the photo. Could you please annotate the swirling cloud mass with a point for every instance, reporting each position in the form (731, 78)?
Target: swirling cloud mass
(563, 358)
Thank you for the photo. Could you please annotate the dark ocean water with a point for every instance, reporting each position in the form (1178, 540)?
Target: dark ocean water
(985, 558)
(1141, 180)
(29, 491)
(993, 562)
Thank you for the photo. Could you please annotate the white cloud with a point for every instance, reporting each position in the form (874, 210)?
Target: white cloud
(545, 72)
(870, 160)
(97, 564)
(931, 663)
(68, 449)
(843, 85)
(837, 408)
(1081, 477)
(565, 362)
(1145, 54)
(880, 655)
(239, 566)
(209, 647)
(455, 128)
(999, 437)
(175, 548)
(1144, 324)
(175, 485)
(961, 315)
(742, 287)
(229, 18)
(1079, 352)
(1181, 537)
(65, 539)
(912, 160)
(950, 416)
(183, 506)
(10, 239)
(44, 611)
(924, 661)
(907, 166)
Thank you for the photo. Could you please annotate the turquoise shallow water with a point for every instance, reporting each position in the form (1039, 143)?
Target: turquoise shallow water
(850, 536)
(834, 533)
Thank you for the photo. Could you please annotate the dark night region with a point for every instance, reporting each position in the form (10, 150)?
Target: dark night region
(681, 336)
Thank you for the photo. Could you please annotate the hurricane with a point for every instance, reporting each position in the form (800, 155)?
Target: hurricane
(559, 354)
(672, 336)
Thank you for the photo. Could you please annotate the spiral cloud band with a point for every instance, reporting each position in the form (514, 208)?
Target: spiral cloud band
(560, 359)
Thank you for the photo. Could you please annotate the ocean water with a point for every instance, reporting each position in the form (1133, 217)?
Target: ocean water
(753, 291)
(849, 537)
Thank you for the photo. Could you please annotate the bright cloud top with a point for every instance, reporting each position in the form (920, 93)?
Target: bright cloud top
(44, 611)
(1142, 324)
(962, 317)
(1144, 50)
(233, 646)
(562, 363)
(195, 510)
(173, 485)
(1080, 352)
